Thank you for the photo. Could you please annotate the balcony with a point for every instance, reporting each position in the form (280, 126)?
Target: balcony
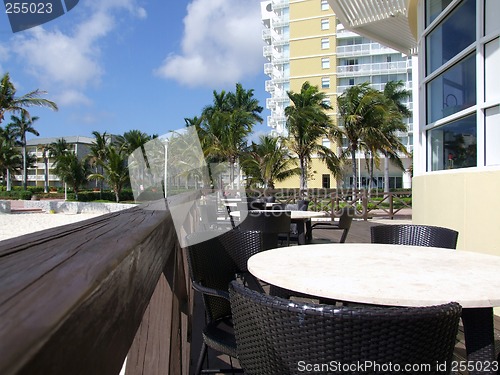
(365, 49)
(280, 21)
(270, 103)
(270, 86)
(280, 4)
(372, 69)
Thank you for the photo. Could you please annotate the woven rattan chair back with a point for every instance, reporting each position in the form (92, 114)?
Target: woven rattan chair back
(416, 235)
(275, 335)
(214, 260)
(270, 223)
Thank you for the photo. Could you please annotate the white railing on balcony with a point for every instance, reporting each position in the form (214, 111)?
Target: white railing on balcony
(372, 69)
(280, 21)
(270, 103)
(269, 86)
(363, 50)
(280, 4)
(266, 34)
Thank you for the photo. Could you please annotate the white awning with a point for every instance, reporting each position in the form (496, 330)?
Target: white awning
(385, 21)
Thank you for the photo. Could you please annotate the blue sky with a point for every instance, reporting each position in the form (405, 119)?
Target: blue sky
(117, 65)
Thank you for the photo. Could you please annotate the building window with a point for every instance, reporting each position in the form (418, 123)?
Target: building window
(324, 5)
(325, 82)
(453, 145)
(433, 8)
(325, 181)
(453, 90)
(492, 9)
(453, 35)
(351, 81)
(327, 102)
(325, 63)
(326, 143)
(325, 43)
(492, 135)
(325, 24)
(491, 76)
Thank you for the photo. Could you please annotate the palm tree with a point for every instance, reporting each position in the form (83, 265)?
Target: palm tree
(71, 170)
(357, 106)
(98, 153)
(226, 124)
(395, 92)
(10, 159)
(20, 126)
(269, 161)
(132, 140)
(58, 148)
(9, 102)
(115, 169)
(307, 125)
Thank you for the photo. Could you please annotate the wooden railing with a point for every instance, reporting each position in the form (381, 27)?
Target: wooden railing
(72, 298)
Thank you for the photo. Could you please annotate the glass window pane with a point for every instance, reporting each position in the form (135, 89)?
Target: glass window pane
(491, 64)
(491, 12)
(433, 8)
(453, 90)
(453, 145)
(453, 35)
(492, 136)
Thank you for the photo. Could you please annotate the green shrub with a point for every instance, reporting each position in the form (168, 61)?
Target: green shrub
(16, 194)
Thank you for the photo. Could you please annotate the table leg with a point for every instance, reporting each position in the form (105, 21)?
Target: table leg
(479, 339)
(301, 236)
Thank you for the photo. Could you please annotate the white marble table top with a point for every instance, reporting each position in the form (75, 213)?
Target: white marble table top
(295, 214)
(394, 275)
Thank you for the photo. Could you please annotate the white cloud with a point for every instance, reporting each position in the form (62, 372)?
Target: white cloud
(72, 97)
(71, 62)
(221, 43)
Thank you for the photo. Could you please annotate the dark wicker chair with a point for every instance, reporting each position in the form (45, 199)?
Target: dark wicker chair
(277, 336)
(343, 224)
(272, 224)
(215, 260)
(417, 235)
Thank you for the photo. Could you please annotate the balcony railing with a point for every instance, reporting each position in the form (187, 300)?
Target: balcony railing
(373, 69)
(280, 4)
(365, 49)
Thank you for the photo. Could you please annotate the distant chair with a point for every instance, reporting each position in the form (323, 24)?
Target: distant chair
(343, 224)
(272, 224)
(275, 335)
(416, 235)
(215, 260)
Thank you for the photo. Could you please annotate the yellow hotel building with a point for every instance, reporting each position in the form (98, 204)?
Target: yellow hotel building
(305, 43)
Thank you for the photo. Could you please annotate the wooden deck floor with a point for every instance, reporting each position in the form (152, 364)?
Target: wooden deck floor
(360, 233)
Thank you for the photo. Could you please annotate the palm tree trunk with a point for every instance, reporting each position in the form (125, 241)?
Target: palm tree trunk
(9, 181)
(386, 174)
(25, 171)
(303, 177)
(354, 169)
(46, 175)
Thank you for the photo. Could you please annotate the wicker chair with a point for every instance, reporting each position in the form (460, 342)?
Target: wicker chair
(272, 224)
(417, 235)
(277, 336)
(343, 224)
(213, 262)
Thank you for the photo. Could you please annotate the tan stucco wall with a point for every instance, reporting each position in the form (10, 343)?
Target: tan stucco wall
(464, 200)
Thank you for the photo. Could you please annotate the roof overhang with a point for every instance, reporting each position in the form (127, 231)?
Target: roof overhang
(389, 22)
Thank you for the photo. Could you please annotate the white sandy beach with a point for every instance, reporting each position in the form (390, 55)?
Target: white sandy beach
(13, 225)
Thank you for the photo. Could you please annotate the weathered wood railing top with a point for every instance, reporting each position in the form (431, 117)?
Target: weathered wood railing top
(72, 297)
